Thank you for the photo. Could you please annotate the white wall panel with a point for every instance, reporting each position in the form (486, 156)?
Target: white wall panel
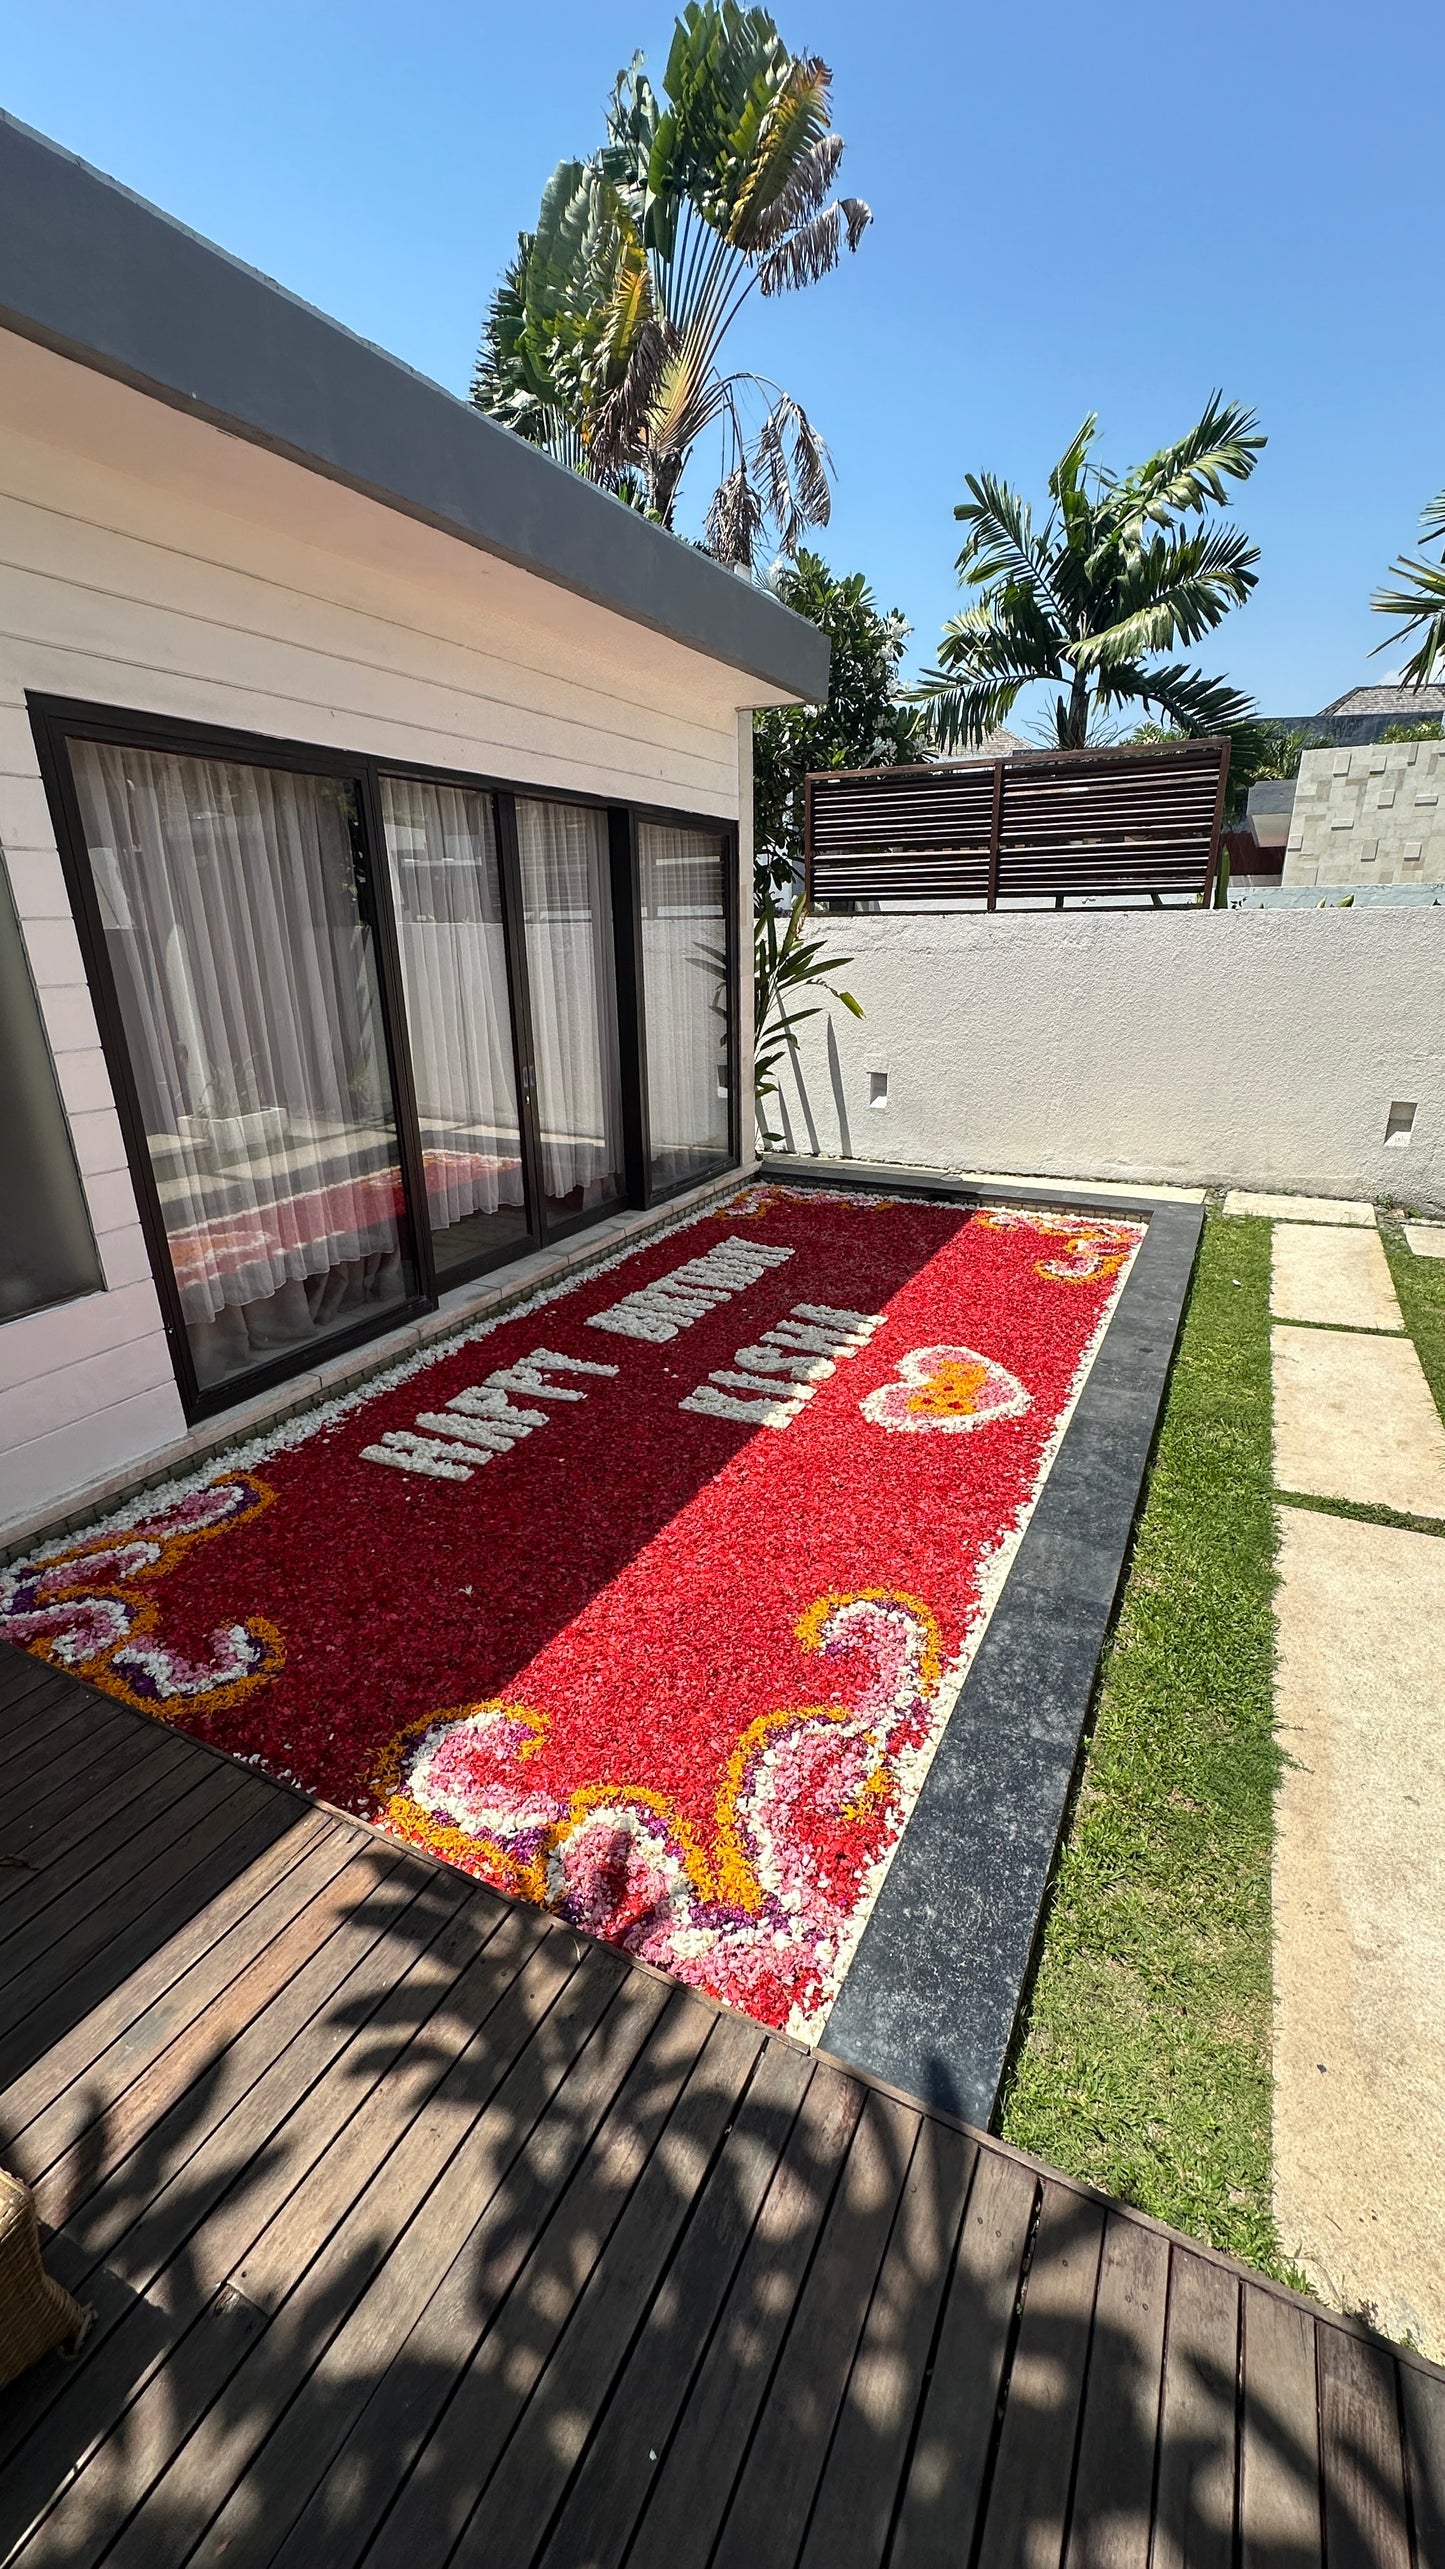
(148, 562)
(1239, 1047)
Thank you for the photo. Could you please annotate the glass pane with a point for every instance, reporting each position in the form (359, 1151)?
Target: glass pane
(684, 981)
(442, 843)
(567, 899)
(248, 991)
(47, 1253)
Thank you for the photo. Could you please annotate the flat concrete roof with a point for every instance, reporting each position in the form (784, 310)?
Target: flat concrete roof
(97, 274)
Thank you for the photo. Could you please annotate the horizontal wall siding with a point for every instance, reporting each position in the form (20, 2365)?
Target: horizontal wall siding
(141, 591)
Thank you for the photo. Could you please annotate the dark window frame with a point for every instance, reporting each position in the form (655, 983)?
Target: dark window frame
(57, 719)
(95, 1283)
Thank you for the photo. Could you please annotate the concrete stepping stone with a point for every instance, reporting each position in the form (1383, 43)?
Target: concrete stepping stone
(1354, 1419)
(1318, 1273)
(1427, 1239)
(1301, 1208)
(1359, 1907)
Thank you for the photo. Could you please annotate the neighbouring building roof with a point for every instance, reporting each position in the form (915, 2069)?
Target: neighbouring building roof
(1400, 704)
(97, 274)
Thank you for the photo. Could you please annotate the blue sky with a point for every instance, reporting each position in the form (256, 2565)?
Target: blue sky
(1109, 210)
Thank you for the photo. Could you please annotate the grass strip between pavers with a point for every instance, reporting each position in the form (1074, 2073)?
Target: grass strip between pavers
(1146, 2065)
(1420, 1284)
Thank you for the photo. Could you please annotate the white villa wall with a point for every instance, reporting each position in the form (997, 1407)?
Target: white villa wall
(1238, 1047)
(152, 563)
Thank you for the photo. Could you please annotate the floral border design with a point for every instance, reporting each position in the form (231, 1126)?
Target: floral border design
(89, 1610)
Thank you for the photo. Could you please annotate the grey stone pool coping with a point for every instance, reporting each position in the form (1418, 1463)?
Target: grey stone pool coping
(934, 1996)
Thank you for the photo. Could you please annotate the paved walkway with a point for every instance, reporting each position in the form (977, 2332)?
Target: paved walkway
(1359, 1882)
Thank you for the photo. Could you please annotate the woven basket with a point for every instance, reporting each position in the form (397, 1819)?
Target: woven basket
(36, 2313)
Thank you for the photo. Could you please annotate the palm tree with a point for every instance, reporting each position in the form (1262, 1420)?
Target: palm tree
(603, 342)
(1113, 577)
(1420, 600)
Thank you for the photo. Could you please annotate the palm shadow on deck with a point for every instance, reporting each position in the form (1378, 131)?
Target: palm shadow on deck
(422, 2228)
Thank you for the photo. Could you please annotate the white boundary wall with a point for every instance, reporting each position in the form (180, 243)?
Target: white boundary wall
(149, 562)
(1258, 1048)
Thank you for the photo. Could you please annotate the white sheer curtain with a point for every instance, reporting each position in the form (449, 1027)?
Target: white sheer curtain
(443, 849)
(684, 979)
(567, 899)
(248, 991)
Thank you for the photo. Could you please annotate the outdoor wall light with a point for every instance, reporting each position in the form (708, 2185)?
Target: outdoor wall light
(878, 1088)
(1399, 1125)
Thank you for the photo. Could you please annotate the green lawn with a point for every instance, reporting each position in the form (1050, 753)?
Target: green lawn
(1146, 2064)
(1420, 1284)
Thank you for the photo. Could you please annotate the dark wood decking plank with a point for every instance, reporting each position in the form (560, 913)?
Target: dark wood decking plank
(104, 1827)
(1198, 2429)
(113, 1883)
(1028, 2501)
(179, 2042)
(384, 2379)
(163, 1771)
(59, 1731)
(609, 2490)
(21, 1671)
(429, 2095)
(505, 2069)
(409, 2396)
(696, 2472)
(948, 2470)
(42, 2103)
(223, 2162)
(49, 1807)
(1113, 2508)
(853, 2516)
(625, 2214)
(53, 1705)
(180, 2368)
(218, 2202)
(217, 1838)
(1422, 2407)
(774, 2494)
(1279, 2461)
(1361, 2456)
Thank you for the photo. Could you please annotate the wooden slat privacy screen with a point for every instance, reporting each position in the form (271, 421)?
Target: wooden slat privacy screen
(1056, 825)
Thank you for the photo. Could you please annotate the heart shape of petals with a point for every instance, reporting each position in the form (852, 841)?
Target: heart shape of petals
(950, 1389)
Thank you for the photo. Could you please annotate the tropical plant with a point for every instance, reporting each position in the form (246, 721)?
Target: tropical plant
(1113, 577)
(1395, 732)
(604, 340)
(866, 721)
(1258, 750)
(1420, 599)
(786, 963)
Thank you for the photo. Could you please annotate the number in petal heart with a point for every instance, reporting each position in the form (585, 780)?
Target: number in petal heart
(952, 1388)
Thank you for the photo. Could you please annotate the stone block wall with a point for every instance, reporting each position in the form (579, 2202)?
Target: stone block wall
(1373, 814)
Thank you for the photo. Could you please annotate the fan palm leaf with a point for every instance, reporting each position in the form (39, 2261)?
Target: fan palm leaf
(607, 333)
(1419, 601)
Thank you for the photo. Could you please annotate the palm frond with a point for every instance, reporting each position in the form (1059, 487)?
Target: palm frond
(959, 713)
(1419, 602)
(810, 251)
(1223, 445)
(735, 519)
(1194, 704)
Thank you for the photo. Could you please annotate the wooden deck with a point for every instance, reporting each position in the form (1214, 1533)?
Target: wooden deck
(420, 2230)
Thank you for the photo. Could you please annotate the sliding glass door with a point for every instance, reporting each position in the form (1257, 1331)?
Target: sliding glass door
(563, 852)
(441, 843)
(373, 1032)
(231, 899)
(682, 891)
